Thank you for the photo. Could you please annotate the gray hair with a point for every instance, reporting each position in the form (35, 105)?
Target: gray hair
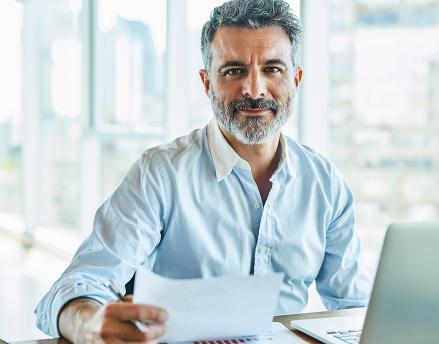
(253, 14)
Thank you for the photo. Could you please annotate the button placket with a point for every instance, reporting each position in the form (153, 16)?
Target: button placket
(265, 241)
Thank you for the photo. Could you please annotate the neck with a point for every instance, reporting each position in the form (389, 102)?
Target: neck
(263, 158)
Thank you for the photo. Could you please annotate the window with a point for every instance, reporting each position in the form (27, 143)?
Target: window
(11, 16)
(11, 201)
(384, 110)
(130, 66)
(129, 92)
(93, 81)
(51, 116)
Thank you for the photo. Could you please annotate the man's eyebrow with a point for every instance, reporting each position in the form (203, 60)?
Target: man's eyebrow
(241, 64)
(231, 64)
(276, 61)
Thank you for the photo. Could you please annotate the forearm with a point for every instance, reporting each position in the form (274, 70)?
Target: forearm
(75, 315)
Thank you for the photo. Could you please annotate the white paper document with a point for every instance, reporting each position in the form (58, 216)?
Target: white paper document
(219, 307)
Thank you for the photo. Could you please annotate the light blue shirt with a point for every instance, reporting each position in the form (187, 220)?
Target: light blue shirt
(191, 208)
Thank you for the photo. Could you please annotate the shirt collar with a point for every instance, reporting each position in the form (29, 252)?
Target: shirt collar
(225, 158)
(223, 155)
(286, 164)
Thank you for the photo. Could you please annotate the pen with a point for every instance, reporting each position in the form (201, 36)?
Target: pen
(140, 326)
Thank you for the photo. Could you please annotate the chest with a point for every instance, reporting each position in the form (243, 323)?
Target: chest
(225, 228)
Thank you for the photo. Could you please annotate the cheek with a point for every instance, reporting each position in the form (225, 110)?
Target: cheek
(224, 98)
(283, 90)
(229, 89)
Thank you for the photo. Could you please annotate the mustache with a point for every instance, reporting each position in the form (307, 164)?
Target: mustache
(254, 104)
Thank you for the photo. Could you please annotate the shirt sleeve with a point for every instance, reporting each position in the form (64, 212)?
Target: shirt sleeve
(126, 230)
(342, 282)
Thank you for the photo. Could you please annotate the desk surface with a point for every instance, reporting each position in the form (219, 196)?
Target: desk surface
(284, 319)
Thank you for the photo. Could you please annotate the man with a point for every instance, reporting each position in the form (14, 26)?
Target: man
(236, 197)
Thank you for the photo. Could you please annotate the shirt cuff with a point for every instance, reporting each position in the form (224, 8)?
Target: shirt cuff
(332, 303)
(60, 294)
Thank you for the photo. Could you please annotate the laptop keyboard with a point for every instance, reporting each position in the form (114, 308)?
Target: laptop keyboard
(347, 336)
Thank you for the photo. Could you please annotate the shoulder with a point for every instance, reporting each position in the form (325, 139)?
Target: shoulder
(307, 160)
(312, 167)
(177, 151)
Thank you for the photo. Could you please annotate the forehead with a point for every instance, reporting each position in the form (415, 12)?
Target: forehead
(244, 44)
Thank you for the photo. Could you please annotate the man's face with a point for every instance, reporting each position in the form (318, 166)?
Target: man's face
(251, 82)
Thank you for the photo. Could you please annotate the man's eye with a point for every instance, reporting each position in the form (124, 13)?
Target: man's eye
(273, 69)
(233, 71)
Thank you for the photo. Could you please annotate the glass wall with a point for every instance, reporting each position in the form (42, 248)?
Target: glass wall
(129, 92)
(59, 100)
(77, 111)
(130, 56)
(11, 17)
(384, 109)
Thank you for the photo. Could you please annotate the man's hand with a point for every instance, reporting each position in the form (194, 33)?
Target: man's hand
(86, 321)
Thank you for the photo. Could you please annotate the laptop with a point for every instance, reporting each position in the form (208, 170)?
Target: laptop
(404, 305)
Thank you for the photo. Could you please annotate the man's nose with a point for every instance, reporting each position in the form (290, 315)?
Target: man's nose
(254, 85)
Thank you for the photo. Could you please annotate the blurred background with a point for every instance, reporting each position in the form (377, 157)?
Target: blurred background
(87, 85)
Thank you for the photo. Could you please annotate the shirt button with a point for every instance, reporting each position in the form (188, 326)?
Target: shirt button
(256, 205)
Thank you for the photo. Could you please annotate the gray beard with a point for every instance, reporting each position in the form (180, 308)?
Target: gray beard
(255, 130)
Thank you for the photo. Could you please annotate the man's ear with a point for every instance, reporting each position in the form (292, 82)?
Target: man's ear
(298, 77)
(205, 80)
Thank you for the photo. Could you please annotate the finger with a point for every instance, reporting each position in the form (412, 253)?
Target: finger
(128, 298)
(126, 331)
(133, 311)
(155, 331)
(116, 329)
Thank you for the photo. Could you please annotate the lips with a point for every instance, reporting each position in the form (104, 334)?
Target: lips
(254, 112)
(254, 107)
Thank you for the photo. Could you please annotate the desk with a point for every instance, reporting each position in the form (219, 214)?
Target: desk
(284, 319)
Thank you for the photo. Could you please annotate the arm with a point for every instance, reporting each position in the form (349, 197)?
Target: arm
(341, 282)
(127, 228)
(74, 315)
(84, 320)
